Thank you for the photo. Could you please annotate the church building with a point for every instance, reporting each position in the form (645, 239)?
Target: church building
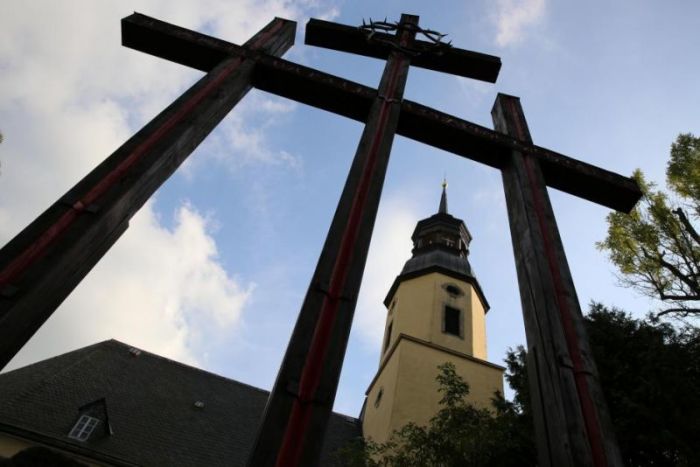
(114, 405)
(436, 313)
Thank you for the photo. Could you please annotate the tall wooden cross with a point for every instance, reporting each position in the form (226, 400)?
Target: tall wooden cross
(45, 261)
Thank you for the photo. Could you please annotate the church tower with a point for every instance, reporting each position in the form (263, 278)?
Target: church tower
(436, 313)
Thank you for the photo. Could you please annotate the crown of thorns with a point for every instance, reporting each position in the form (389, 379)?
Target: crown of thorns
(372, 27)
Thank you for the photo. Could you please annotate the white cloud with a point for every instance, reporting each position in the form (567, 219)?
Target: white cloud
(70, 94)
(514, 17)
(157, 289)
(243, 144)
(390, 248)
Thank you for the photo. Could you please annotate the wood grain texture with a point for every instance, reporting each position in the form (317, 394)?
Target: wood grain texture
(334, 288)
(426, 54)
(353, 100)
(571, 419)
(46, 260)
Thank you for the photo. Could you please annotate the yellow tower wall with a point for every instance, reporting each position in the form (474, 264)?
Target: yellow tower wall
(478, 325)
(410, 391)
(416, 346)
(416, 310)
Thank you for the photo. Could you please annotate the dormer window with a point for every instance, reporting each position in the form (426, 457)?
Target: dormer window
(83, 428)
(90, 416)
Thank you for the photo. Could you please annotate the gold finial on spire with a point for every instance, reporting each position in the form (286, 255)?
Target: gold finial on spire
(443, 199)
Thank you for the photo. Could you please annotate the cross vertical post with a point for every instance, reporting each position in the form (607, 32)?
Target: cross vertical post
(572, 424)
(294, 423)
(44, 262)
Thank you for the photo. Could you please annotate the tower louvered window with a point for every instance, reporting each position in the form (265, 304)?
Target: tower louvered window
(450, 322)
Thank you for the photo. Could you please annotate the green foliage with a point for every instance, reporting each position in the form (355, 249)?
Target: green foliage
(650, 374)
(460, 434)
(657, 247)
(683, 172)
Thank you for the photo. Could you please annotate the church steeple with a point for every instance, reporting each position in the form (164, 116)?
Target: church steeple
(440, 244)
(441, 231)
(436, 313)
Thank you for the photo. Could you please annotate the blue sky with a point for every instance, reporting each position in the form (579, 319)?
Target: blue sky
(213, 271)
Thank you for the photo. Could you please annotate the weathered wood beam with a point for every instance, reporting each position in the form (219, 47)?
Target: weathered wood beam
(175, 44)
(301, 400)
(184, 46)
(487, 146)
(42, 264)
(572, 424)
(442, 58)
(417, 122)
(444, 131)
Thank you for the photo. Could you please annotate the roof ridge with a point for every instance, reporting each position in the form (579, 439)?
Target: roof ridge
(114, 344)
(190, 367)
(90, 351)
(201, 370)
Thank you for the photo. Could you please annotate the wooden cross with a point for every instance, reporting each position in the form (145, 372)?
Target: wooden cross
(45, 261)
(570, 414)
(306, 385)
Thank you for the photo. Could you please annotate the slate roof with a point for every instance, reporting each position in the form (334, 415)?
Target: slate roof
(438, 257)
(150, 403)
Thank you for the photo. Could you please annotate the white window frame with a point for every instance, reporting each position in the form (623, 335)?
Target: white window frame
(83, 428)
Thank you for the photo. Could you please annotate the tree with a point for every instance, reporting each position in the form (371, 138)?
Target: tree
(650, 375)
(649, 372)
(460, 434)
(657, 247)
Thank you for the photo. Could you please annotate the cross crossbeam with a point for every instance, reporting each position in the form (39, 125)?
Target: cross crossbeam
(424, 54)
(353, 100)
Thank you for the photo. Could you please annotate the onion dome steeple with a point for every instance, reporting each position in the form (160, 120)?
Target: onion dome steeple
(440, 244)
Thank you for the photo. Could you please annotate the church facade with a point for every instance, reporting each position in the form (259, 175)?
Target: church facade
(112, 404)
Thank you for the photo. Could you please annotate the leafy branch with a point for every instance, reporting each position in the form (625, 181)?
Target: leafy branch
(656, 247)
